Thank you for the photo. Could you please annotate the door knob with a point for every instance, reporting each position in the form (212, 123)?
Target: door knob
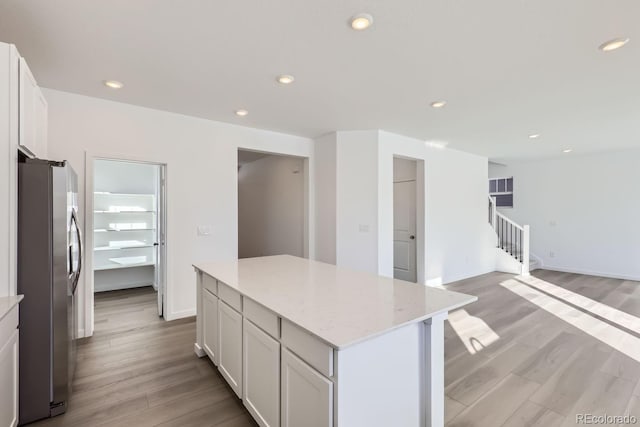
(412, 237)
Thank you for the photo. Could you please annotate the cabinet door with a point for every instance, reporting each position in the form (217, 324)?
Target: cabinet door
(9, 381)
(40, 124)
(210, 325)
(28, 115)
(307, 396)
(261, 370)
(230, 351)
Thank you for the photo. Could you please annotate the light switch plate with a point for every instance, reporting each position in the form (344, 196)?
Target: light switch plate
(364, 228)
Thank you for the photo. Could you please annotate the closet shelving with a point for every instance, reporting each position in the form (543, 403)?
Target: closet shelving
(124, 230)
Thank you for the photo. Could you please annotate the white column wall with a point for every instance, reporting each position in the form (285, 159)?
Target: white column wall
(457, 237)
(455, 240)
(357, 200)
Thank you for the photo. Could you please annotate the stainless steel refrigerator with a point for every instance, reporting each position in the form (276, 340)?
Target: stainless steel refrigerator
(49, 266)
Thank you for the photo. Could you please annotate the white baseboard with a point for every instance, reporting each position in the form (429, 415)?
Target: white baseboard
(589, 272)
(438, 281)
(434, 282)
(537, 259)
(175, 315)
(198, 350)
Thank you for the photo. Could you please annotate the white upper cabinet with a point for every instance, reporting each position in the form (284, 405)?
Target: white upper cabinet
(33, 114)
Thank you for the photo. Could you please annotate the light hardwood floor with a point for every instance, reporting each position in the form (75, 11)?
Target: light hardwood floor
(544, 350)
(138, 370)
(526, 354)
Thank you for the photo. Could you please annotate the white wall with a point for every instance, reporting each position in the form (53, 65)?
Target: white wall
(201, 158)
(325, 184)
(458, 240)
(357, 200)
(8, 168)
(271, 207)
(583, 208)
(454, 229)
(6, 285)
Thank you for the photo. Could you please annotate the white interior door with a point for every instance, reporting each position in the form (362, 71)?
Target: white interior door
(160, 243)
(404, 230)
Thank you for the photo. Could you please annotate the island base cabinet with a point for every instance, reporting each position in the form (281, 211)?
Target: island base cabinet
(261, 388)
(210, 325)
(230, 350)
(307, 396)
(9, 381)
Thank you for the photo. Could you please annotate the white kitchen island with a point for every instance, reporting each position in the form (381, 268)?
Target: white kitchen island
(304, 343)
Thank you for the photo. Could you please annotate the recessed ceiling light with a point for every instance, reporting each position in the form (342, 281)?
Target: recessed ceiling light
(568, 150)
(113, 84)
(241, 113)
(285, 79)
(614, 44)
(436, 144)
(438, 104)
(534, 136)
(361, 21)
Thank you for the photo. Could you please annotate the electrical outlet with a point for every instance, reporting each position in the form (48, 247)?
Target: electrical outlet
(204, 230)
(553, 223)
(552, 254)
(364, 228)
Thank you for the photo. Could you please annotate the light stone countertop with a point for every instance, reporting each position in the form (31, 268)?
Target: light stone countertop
(7, 303)
(339, 306)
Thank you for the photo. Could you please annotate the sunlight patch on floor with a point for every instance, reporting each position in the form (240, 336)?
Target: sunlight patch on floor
(615, 337)
(606, 312)
(474, 332)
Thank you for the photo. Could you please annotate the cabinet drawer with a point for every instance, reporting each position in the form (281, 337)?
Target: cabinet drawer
(230, 296)
(210, 284)
(309, 348)
(8, 325)
(262, 317)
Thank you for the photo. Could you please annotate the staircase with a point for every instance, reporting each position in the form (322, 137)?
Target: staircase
(512, 244)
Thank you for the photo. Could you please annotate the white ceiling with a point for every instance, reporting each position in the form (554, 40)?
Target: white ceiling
(508, 68)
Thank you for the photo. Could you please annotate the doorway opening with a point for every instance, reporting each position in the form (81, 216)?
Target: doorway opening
(405, 234)
(129, 219)
(272, 205)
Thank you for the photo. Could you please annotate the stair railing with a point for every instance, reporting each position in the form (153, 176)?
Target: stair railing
(512, 238)
(492, 211)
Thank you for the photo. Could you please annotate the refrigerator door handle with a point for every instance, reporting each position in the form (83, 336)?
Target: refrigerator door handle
(74, 217)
